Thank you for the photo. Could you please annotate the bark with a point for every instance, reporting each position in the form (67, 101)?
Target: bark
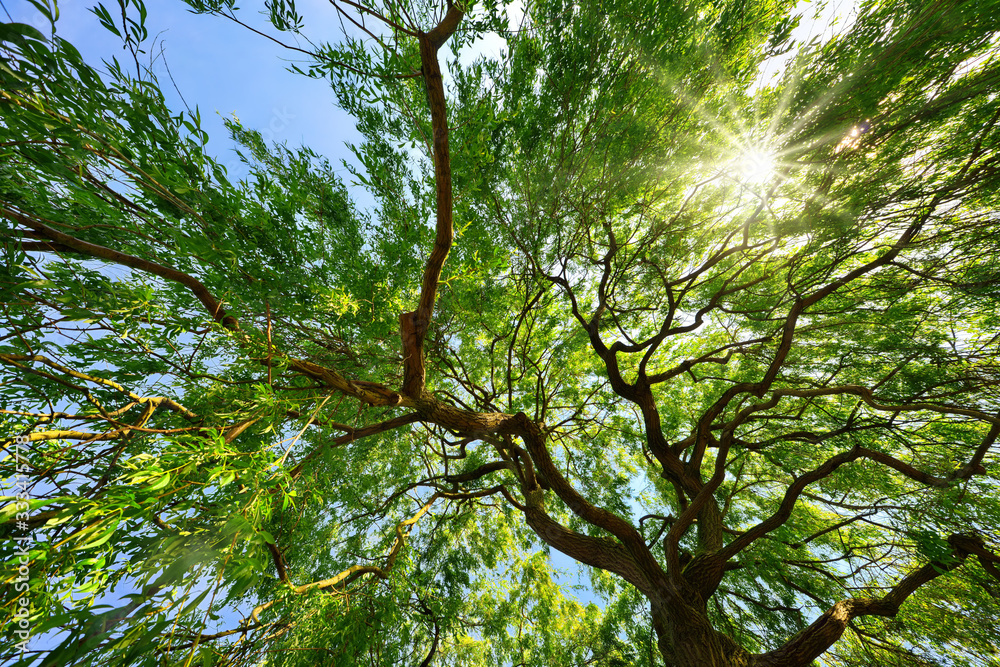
(413, 325)
(686, 638)
(597, 552)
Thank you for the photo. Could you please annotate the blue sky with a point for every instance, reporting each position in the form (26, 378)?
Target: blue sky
(222, 68)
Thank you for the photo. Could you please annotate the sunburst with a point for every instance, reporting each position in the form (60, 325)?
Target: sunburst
(756, 166)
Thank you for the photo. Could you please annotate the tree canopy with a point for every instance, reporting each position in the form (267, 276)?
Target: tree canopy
(728, 342)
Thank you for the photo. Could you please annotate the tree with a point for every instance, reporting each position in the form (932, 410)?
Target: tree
(729, 344)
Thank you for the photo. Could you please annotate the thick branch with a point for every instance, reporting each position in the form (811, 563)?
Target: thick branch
(371, 393)
(479, 472)
(597, 516)
(197, 288)
(279, 561)
(798, 486)
(413, 325)
(596, 552)
(812, 642)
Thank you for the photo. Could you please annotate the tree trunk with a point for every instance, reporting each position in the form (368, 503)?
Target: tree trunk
(686, 638)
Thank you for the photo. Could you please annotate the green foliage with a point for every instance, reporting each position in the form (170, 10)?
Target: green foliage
(736, 398)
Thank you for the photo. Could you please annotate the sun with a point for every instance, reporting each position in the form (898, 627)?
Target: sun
(756, 166)
(752, 165)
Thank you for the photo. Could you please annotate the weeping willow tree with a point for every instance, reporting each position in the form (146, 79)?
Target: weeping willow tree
(727, 341)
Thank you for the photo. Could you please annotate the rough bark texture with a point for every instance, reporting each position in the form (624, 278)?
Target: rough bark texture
(687, 639)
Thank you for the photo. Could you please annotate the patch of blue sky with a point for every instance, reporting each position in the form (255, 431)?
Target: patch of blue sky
(223, 69)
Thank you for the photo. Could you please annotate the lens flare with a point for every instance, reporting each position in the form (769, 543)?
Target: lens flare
(756, 166)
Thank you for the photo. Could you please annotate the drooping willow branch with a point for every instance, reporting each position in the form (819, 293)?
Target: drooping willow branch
(355, 571)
